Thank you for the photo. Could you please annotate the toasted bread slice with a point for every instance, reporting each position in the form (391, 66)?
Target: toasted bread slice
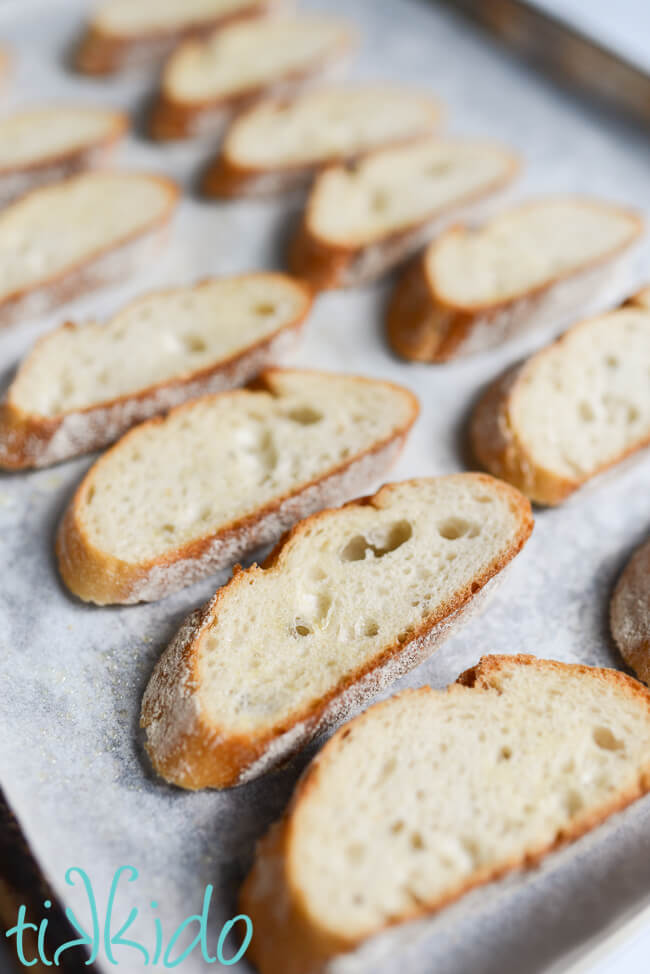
(83, 386)
(630, 613)
(278, 144)
(62, 240)
(205, 82)
(365, 217)
(434, 792)
(534, 263)
(181, 497)
(43, 145)
(352, 599)
(570, 411)
(124, 34)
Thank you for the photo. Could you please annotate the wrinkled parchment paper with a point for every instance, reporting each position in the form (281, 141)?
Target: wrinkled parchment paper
(71, 759)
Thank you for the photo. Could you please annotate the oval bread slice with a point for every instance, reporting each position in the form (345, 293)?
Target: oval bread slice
(279, 143)
(205, 82)
(82, 386)
(128, 33)
(63, 240)
(570, 411)
(246, 466)
(434, 792)
(363, 218)
(42, 145)
(531, 265)
(630, 613)
(352, 599)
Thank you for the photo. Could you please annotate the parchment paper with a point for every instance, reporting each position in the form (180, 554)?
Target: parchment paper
(71, 760)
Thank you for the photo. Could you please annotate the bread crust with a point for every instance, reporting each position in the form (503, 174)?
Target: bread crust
(103, 266)
(629, 613)
(31, 440)
(190, 752)
(499, 447)
(95, 576)
(327, 264)
(289, 939)
(15, 181)
(102, 53)
(424, 326)
(226, 178)
(174, 118)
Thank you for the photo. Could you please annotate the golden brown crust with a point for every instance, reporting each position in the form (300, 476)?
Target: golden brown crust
(499, 448)
(26, 438)
(173, 118)
(288, 939)
(630, 613)
(102, 53)
(95, 576)
(11, 305)
(641, 299)
(195, 754)
(425, 326)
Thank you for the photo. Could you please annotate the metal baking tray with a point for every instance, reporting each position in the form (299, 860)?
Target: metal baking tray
(72, 767)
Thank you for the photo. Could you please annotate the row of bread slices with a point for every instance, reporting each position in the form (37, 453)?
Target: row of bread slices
(469, 289)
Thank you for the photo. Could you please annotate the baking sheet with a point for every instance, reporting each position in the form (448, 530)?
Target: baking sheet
(71, 760)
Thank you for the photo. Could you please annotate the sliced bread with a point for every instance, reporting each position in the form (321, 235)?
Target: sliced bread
(534, 263)
(181, 497)
(570, 411)
(125, 33)
(279, 143)
(630, 613)
(434, 792)
(365, 217)
(205, 82)
(62, 240)
(42, 145)
(352, 599)
(82, 386)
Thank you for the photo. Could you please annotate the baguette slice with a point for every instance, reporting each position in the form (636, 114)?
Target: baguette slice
(570, 411)
(63, 240)
(83, 386)
(278, 144)
(434, 792)
(43, 145)
(129, 33)
(352, 599)
(538, 261)
(630, 613)
(181, 497)
(364, 218)
(205, 82)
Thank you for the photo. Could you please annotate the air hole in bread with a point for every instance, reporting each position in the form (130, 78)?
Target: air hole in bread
(90, 495)
(417, 842)
(586, 412)
(265, 309)
(194, 343)
(371, 628)
(397, 827)
(612, 362)
(394, 537)
(305, 415)
(379, 201)
(604, 739)
(301, 629)
(573, 802)
(457, 527)
(505, 754)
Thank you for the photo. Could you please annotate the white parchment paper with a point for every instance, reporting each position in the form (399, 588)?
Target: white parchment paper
(71, 676)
